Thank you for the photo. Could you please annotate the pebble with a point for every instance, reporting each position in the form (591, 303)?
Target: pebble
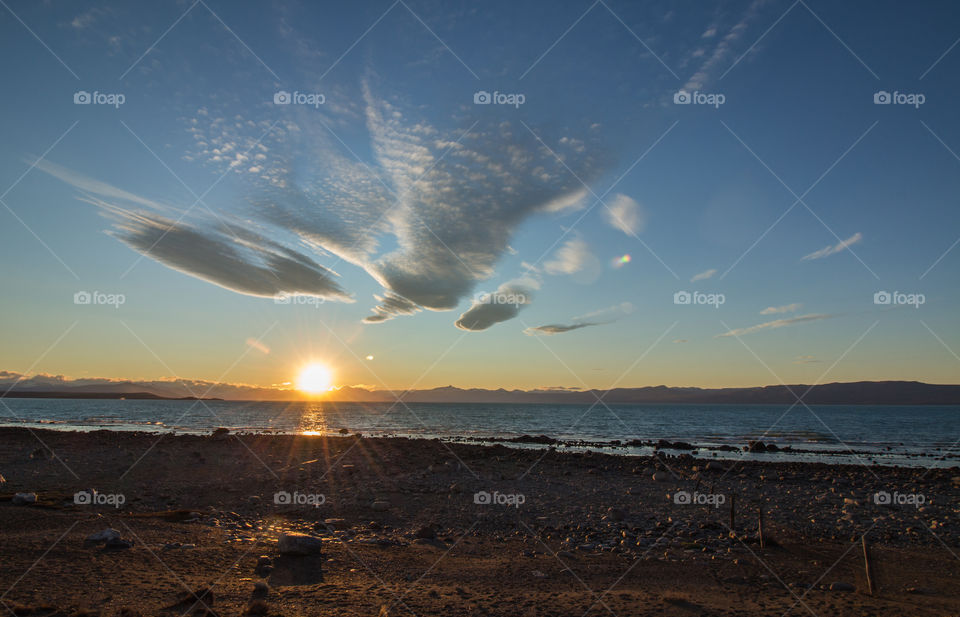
(839, 586)
(24, 499)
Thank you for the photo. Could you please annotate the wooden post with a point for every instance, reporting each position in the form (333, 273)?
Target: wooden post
(866, 564)
(760, 524)
(733, 502)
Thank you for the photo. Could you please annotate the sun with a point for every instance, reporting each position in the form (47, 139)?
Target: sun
(315, 379)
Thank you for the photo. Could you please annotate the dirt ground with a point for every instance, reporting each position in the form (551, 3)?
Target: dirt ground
(427, 528)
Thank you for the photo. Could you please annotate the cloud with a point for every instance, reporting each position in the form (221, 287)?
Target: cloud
(786, 308)
(703, 275)
(249, 265)
(625, 214)
(778, 323)
(552, 329)
(806, 360)
(503, 304)
(569, 258)
(429, 216)
(836, 248)
(680, 340)
(596, 318)
(723, 50)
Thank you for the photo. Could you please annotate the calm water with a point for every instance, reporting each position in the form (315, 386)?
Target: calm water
(891, 435)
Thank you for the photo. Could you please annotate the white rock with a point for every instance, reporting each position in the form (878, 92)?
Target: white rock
(299, 544)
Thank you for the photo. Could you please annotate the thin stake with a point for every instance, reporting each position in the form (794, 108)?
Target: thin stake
(760, 524)
(733, 501)
(866, 564)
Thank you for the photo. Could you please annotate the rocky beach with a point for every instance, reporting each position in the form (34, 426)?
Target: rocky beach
(124, 523)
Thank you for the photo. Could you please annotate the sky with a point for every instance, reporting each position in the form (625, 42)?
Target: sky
(418, 193)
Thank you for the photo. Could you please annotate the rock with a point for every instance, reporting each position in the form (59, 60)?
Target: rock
(117, 544)
(714, 466)
(425, 533)
(838, 586)
(220, 434)
(380, 506)
(299, 544)
(260, 589)
(660, 476)
(616, 514)
(104, 536)
(24, 499)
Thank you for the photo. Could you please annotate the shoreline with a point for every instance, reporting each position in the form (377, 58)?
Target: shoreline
(746, 449)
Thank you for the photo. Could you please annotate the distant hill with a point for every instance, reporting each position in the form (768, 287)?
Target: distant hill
(856, 393)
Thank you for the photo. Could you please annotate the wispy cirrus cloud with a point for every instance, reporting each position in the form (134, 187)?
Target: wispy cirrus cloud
(777, 323)
(835, 248)
(626, 214)
(596, 318)
(569, 258)
(786, 308)
(702, 276)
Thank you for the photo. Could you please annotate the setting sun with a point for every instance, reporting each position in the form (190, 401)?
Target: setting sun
(315, 379)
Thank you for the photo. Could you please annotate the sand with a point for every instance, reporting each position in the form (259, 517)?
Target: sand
(421, 527)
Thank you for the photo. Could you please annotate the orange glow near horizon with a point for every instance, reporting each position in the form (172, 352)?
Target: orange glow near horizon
(315, 378)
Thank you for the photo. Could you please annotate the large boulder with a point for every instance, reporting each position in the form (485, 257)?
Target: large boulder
(299, 544)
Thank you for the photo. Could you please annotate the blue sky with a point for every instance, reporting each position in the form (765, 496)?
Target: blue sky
(401, 212)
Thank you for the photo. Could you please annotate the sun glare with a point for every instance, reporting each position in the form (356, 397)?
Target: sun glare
(315, 379)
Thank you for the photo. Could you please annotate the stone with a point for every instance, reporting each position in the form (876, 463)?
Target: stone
(380, 506)
(426, 533)
(24, 499)
(660, 476)
(104, 536)
(117, 544)
(299, 544)
(616, 514)
(839, 586)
